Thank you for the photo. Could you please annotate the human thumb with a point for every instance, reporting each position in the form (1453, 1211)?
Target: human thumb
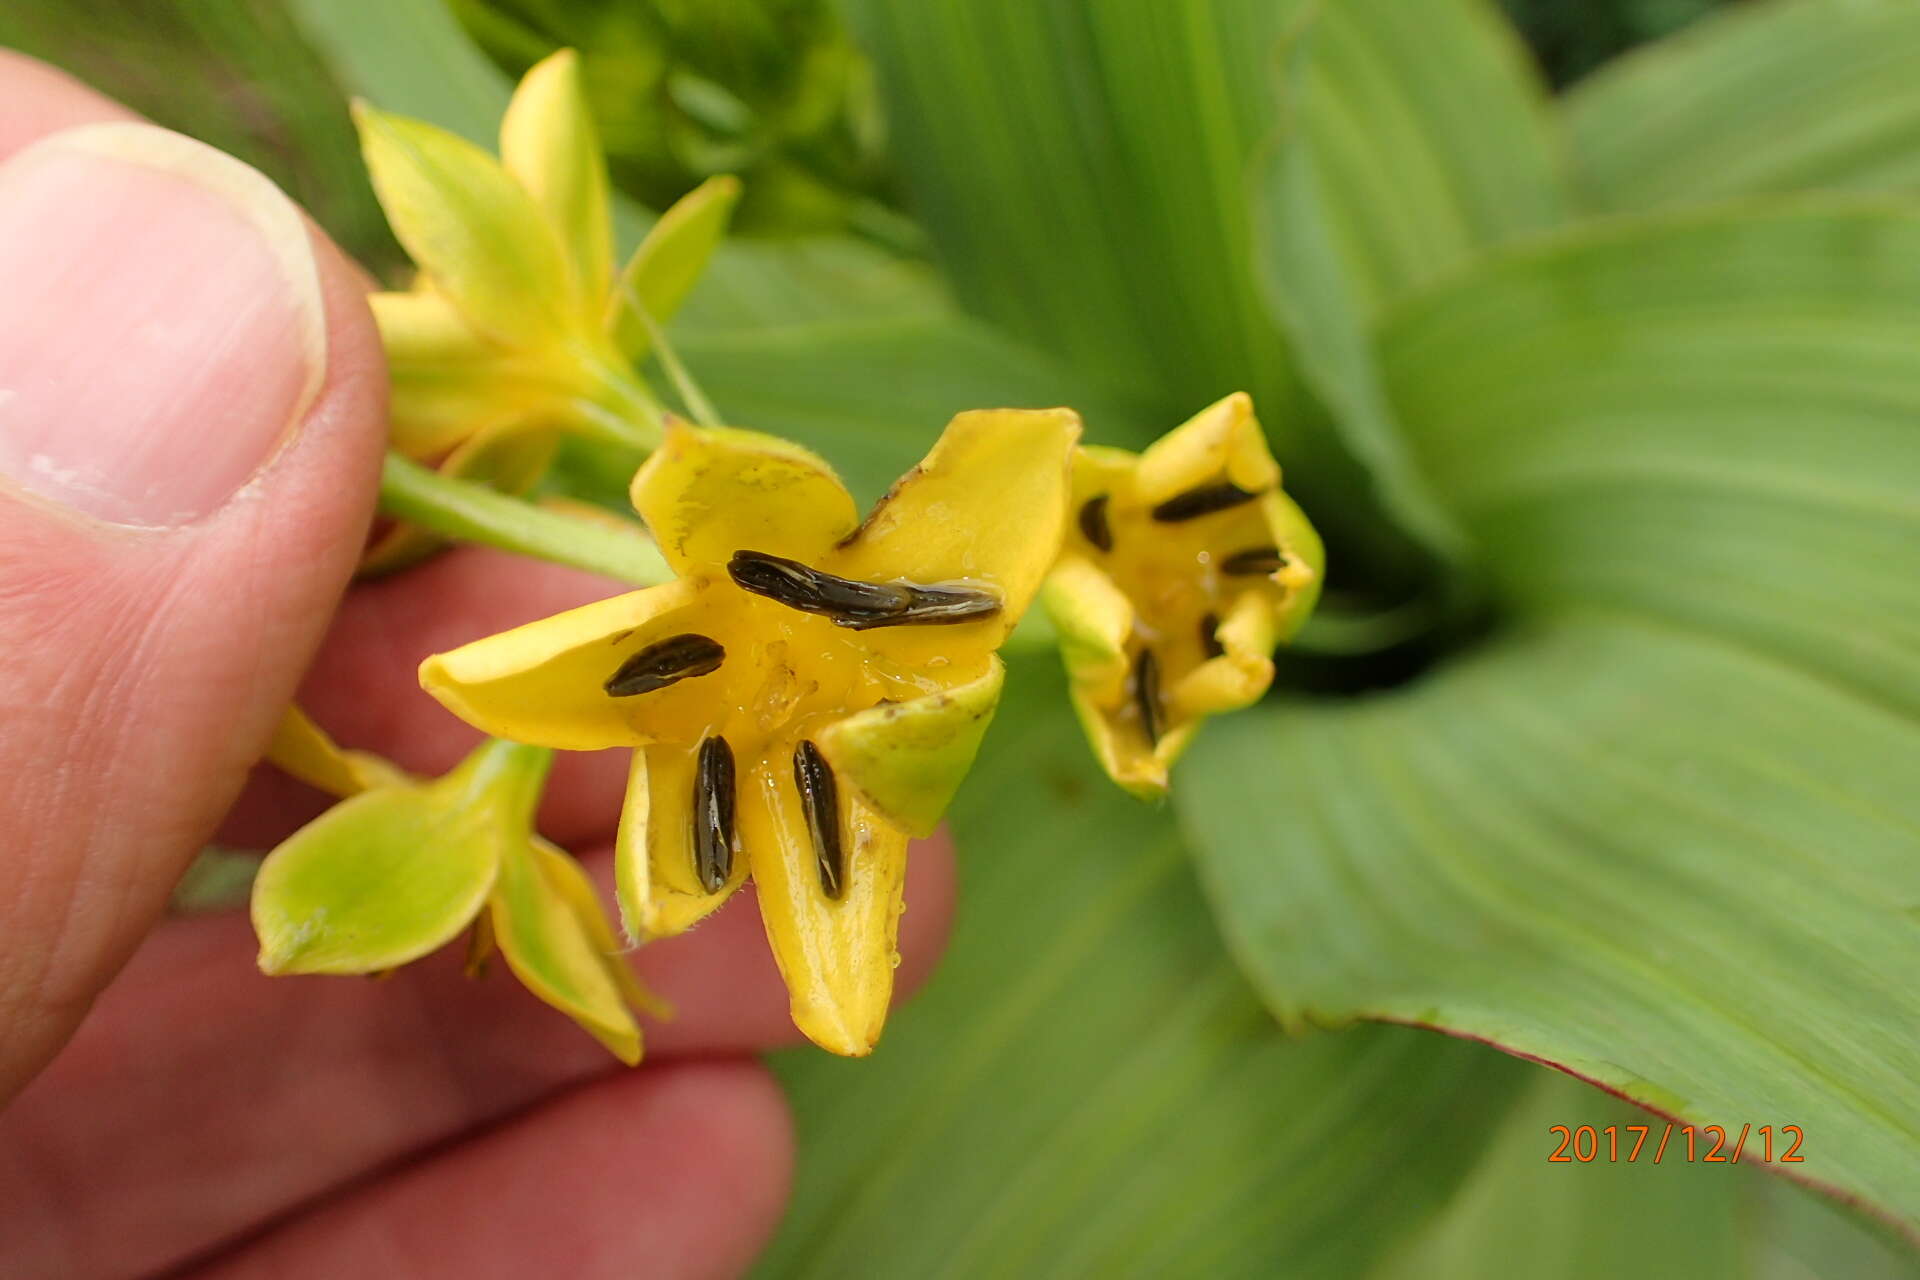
(191, 418)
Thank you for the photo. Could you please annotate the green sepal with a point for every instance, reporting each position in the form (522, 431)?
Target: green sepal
(397, 872)
(539, 927)
(908, 758)
(664, 269)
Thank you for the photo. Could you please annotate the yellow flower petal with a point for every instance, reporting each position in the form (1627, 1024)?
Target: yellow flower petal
(548, 142)
(449, 384)
(545, 682)
(571, 882)
(906, 759)
(301, 749)
(1092, 620)
(1240, 675)
(837, 956)
(654, 874)
(537, 927)
(1306, 568)
(988, 505)
(1224, 436)
(1174, 588)
(664, 269)
(471, 228)
(708, 492)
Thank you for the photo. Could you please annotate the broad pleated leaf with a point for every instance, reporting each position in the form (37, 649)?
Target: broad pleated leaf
(874, 395)
(1785, 95)
(1089, 1088)
(1412, 138)
(1082, 170)
(1662, 828)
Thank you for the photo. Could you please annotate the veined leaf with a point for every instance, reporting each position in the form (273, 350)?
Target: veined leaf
(1772, 96)
(1412, 139)
(873, 396)
(1089, 1088)
(1082, 170)
(1662, 830)
(410, 58)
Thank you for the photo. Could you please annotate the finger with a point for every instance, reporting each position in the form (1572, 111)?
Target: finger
(674, 1172)
(189, 445)
(36, 100)
(201, 1099)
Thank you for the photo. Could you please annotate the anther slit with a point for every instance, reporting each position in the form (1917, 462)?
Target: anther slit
(820, 799)
(1146, 695)
(851, 603)
(713, 801)
(1252, 561)
(1201, 501)
(1210, 636)
(665, 662)
(1093, 523)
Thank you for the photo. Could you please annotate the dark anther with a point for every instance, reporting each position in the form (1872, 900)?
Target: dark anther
(664, 662)
(713, 814)
(1093, 523)
(1254, 560)
(820, 797)
(856, 605)
(1146, 694)
(1203, 501)
(1210, 636)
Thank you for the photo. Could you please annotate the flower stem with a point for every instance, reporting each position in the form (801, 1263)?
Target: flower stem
(469, 512)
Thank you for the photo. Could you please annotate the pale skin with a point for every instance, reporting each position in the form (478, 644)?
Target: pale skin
(167, 1109)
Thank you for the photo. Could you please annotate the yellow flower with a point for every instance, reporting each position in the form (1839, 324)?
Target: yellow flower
(1184, 567)
(805, 696)
(518, 328)
(403, 867)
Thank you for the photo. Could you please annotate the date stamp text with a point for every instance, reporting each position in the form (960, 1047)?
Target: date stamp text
(1703, 1144)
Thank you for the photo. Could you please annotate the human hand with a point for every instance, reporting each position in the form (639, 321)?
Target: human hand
(191, 421)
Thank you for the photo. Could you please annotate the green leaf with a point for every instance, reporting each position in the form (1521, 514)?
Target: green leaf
(1785, 95)
(1413, 139)
(1082, 171)
(872, 396)
(1088, 1087)
(410, 57)
(1661, 829)
(1601, 1220)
